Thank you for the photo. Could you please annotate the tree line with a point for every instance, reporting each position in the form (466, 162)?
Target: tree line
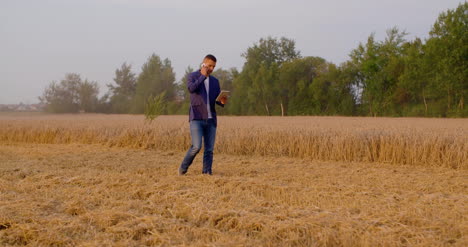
(390, 77)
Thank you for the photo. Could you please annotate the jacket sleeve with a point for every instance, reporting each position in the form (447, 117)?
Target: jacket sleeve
(194, 83)
(219, 103)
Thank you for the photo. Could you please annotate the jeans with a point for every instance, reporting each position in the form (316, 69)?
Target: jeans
(199, 129)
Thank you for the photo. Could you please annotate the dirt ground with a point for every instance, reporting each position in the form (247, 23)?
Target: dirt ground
(91, 195)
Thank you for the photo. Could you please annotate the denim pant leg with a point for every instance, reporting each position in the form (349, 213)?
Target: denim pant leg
(209, 136)
(196, 133)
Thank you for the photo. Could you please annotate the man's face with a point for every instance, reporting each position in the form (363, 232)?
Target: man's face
(210, 65)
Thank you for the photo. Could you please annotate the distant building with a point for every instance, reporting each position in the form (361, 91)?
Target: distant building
(22, 107)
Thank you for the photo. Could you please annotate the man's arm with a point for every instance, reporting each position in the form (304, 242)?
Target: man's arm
(219, 103)
(194, 83)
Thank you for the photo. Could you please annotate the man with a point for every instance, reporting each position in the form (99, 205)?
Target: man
(204, 89)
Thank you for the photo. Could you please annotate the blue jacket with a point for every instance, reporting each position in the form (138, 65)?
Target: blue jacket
(197, 90)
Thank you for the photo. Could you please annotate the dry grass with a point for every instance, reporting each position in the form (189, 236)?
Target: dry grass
(408, 141)
(92, 195)
(110, 180)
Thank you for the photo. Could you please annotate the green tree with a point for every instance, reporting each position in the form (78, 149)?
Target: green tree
(155, 106)
(155, 78)
(295, 80)
(72, 94)
(412, 91)
(62, 97)
(226, 78)
(378, 67)
(123, 93)
(88, 96)
(435, 72)
(313, 86)
(182, 98)
(255, 85)
(447, 49)
(345, 92)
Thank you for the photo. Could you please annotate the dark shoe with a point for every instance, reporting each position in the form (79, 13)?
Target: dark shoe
(207, 173)
(181, 171)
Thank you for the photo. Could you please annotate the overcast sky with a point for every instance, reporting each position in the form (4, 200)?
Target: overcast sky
(42, 40)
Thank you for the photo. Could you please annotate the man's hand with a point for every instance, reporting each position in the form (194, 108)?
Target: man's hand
(204, 70)
(223, 100)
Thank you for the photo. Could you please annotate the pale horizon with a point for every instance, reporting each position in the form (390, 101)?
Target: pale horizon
(42, 41)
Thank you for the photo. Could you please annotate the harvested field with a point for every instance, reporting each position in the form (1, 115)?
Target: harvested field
(82, 180)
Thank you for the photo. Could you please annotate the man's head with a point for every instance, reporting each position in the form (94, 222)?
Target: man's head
(210, 63)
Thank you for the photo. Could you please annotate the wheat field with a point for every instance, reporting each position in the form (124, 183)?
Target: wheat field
(111, 180)
(409, 141)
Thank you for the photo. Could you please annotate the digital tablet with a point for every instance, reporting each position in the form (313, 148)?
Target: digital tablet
(223, 94)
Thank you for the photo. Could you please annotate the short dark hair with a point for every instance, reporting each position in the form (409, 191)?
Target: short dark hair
(211, 57)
